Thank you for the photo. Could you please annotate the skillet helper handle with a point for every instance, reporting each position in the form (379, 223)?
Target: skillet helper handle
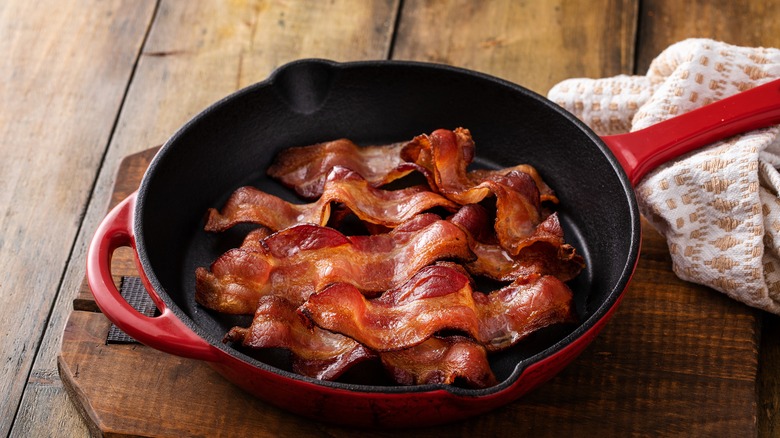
(165, 332)
(641, 151)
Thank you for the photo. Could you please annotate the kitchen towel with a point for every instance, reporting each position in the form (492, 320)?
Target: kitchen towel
(717, 207)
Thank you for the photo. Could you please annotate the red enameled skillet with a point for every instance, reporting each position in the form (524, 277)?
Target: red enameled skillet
(232, 142)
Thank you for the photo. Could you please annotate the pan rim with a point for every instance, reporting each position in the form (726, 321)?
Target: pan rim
(575, 336)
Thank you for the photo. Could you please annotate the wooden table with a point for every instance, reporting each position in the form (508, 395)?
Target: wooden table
(84, 84)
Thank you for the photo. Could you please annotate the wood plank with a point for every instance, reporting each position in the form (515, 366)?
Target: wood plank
(535, 44)
(769, 378)
(196, 53)
(62, 83)
(750, 23)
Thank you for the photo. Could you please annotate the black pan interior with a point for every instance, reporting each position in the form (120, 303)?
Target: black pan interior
(232, 143)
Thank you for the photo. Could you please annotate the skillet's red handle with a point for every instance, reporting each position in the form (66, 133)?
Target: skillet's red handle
(165, 332)
(641, 151)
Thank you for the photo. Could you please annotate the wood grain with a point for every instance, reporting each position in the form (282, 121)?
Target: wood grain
(63, 79)
(196, 53)
(535, 44)
(742, 22)
(769, 378)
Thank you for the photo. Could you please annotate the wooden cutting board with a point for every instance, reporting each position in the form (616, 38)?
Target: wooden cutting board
(676, 359)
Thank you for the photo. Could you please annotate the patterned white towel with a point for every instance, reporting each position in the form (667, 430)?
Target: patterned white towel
(717, 207)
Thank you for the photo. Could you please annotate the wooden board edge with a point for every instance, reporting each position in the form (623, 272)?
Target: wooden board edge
(77, 396)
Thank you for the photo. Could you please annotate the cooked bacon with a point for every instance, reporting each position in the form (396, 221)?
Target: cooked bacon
(547, 254)
(517, 209)
(443, 156)
(389, 208)
(447, 155)
(546, 194)
(303, 259)
(435, 298)
(316, 353)
(440, 360)
(305, 168)
(334, 300)
(325, 355)
(511, 313)
(440, 298)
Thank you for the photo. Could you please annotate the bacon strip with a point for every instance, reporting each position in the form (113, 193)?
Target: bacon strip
(303, 259)
(325, 355)
(305, 168)
(511, 313)
(436, 297)
(316, 353)
(441, 361)
(447, 154)
(440, 298)
(546, 194)
(546, 254)
(443, 156)
(389, 208)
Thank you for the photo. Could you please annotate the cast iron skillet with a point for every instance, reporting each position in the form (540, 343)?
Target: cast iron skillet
(232, 143)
